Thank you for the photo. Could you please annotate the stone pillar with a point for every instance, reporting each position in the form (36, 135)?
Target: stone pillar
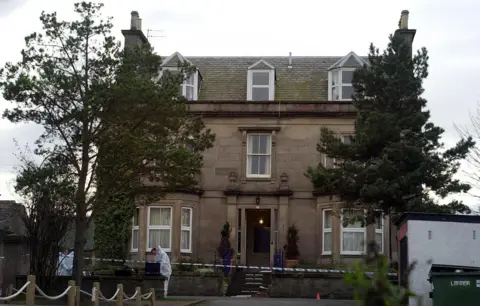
(176, 226)
(233, 220)
(272, 235)
(283, 221)
(243, 242)
(336, 231)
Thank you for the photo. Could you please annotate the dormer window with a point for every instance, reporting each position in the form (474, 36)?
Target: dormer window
(341, 88)
(261, 82)
(340, 76)
(190, 87)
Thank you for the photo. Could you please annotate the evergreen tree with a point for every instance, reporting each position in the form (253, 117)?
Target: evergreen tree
(110, 115)
(396, 160)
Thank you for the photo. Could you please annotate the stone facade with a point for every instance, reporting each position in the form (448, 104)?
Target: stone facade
(228, 194)
(285, 100)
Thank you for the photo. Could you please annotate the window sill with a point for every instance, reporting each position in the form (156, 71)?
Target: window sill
(258, 178)
(134, 251)
(186, 252)
(326, 253)
(352, 253)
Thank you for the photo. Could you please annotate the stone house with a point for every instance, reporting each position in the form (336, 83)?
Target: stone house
(266, 113)
(14, 251)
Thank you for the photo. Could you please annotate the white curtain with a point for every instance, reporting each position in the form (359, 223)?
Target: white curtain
(160, 216)
(185, 243)
(379, 240)
(186, 217)
(327, 241)
(353, 242)
(159, 237)
(185, 240)
(135, 239)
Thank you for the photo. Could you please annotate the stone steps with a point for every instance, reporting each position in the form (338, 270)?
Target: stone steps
(249, 283)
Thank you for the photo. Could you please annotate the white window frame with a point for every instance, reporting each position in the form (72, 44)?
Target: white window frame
(381, 231)
(326, 230)
(184, 84)
(352, 230)
(268, 175)
(135, 228)
(325, 157)
(339, 83)
(270, 86)
(163, 227)
(186, 228)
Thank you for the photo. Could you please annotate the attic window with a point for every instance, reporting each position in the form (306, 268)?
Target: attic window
(189, 88)
(341, 88)
(261, 82)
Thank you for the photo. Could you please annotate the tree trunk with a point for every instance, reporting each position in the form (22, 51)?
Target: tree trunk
(78, 258)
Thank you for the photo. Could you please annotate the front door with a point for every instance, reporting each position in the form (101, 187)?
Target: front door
(258, 237)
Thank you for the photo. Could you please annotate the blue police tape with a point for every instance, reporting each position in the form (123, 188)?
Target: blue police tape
(263, 269)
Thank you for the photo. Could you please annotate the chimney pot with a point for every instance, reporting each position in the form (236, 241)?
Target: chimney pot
(136, 22)
(289, 59)
(404, 20)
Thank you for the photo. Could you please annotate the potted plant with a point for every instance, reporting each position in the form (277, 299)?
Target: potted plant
(224, 249)
(291, 248)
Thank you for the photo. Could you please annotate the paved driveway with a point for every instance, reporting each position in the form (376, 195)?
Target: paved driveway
(236, 301)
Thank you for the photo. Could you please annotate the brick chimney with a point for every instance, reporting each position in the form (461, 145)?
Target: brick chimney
(404, 31)
(134, 36)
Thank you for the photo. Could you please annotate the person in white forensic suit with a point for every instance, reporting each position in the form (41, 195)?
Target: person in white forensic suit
(68, 260)
(165, 267)
(62, 263)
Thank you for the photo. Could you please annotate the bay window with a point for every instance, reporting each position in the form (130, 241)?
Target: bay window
(379, 233)
(135, 230)
(186, 230)
(159, 229)
(327, 232)
(353, 232)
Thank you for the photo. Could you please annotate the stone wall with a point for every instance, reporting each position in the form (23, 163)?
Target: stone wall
(307, 285)
(196, 284)
(331, 286)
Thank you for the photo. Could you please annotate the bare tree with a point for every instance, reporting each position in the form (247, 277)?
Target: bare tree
(472, 169)
(48, 193)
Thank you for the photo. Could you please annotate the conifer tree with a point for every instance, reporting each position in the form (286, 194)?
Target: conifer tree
(395, 161)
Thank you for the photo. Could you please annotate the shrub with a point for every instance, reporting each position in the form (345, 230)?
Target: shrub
(376, 289)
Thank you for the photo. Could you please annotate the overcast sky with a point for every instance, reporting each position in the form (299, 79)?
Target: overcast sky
(250, 27)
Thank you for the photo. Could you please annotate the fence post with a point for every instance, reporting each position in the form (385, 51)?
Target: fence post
(152, 290)
(96, 294)
(71, 293)
(77, 295)
(30, 299)
(138, 297)
(120, 295)
(9, 292)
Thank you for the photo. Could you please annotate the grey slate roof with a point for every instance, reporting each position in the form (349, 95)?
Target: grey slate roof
(225, 77)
